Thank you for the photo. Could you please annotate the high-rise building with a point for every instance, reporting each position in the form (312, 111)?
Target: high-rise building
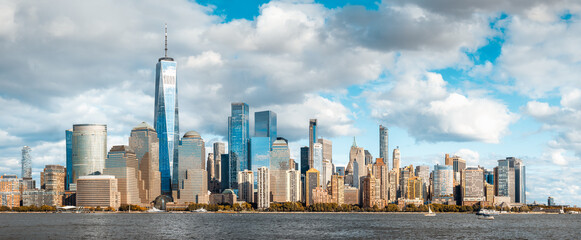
(312, 140)
(279, 157)
(459, 165)
(265, 125)
(259, 155)
(326, 172)
(263, 191)
(502, 183)
(294, 181)
(192, 156)
(195, 187)
(356, 164)
(368, 191)
(519, 179)
(317, 162)
(337, 189)
(393, 185)
(145, 143)
(89, 150)
(381, 173)
(122, 163)
(327, 149)
(238, 138)
(414, 188)
(340, 170)
(166, 117)
(443, 183)
(52, 180)
(98, 191)
(311, 182)
(246, 186)
(210, 167)
(489, 176)
(368, 158)
(473, 186)
(69, 156)
(225, 172)
(219, 149)
(510, 179)
(305, 160)
(550, 201)
(384, 144)
(423, 172)
(396, 159)
(26, 163)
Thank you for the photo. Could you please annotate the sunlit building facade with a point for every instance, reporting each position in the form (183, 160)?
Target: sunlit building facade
(238, 138)
(384, 144)
(145, 143)
(89, 149)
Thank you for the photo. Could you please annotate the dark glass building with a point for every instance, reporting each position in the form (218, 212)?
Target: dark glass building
(265, 125)
(238, 140)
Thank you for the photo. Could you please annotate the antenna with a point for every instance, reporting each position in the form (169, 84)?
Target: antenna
(166, 40)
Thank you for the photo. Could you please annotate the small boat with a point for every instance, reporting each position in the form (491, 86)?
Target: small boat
(430, 213)
(153, 209)
(487, 212)
(486, 217)
(200, 210)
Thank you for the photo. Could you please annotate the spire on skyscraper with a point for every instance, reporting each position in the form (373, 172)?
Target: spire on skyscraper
(354, 142)
(166, 40)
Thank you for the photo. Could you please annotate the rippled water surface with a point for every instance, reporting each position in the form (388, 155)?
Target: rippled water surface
(285, 226)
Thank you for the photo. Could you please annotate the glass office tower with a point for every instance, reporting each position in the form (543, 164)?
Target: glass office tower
(166, 118)
(259, 155)
(384, 143)
(265, 125)
(89, 144)
(26, 163)
(69, 149)
(238, 139)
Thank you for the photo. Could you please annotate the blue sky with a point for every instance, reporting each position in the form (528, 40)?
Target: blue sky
(483, 80)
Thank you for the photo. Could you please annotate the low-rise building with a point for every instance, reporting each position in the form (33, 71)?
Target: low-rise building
(98, 191)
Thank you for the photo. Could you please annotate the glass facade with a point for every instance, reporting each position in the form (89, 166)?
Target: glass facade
(89, 149)
(265, 125)
(304, 160)
(443, 181)
(238, 139)
(384, 143)
(191, 155)
(69, 149)
(312, 139)
(318, 157)
(166, 119)
(145, 143)
(259, 155)
(26, 163)
(502, 178)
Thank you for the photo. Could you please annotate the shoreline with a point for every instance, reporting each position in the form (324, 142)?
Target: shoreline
(257, 212)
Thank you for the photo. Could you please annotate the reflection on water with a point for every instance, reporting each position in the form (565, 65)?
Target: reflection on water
(284, 226)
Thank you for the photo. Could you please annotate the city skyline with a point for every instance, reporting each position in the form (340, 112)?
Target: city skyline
(462, 96)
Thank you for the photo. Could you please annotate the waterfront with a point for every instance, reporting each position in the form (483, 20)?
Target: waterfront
(285, 226)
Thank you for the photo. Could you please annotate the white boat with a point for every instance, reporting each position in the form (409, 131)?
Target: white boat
(200, 210)
(487, 212)
(430, 213)
(153, 209)
(486, 217)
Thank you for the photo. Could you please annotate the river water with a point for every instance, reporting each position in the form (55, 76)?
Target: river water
(285, 226)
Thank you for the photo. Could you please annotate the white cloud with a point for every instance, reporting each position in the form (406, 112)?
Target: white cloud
(472, 157)
(206, 60)
(431, 113)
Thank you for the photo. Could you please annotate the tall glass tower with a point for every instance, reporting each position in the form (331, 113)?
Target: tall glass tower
(166, 118)
(69, 146)
(238, 138)
(89, 143)
(26, 163)
(383, 143)
(312, 140)
(265, 125)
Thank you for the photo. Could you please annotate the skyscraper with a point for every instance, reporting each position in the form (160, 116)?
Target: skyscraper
(122, 163)
(246, 186)
(327, 149)
(89, 150)
(311, 182)
(219, 149)
(69, 154)
(305, 160)
(519, 180)
(501, 179)
(356, 165)
(396, 159)
(279, 157)
(263, 196)
(443, 183)
(192, 155)
(144, 141)
(317, 161)
(368, 158)
(265, 125)
(384, 144)
(26, 163)
(472, 182)
(259, 154)
(294, 181)
(312, 140)
(166, 117)
(238, 138)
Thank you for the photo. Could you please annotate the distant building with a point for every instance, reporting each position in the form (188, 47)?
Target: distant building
(489, 192)
(311, 182)
(263, 191)
(396, 159)
(26, 163)
(9, 191)
(265, 125)
(423, 172)
(340, 171)
(192, 179)
(52, 180)
(145, 143)
(551, 201)
(259, 154)
(381, 173)
(368, 158)
(89, 145)
(38, 198)
(219, 149)
(393, 187)
(317, 157)
(384, 144)
(327, 149)
(122, 164)
(304, 160)
(238, 139)
(294, 181)
(210, 166)
(312, 141)
(473, 190)
(337, 189)
(226, 197)
(351, 195)
(69, 157)
(279, 157)
(320, 195)
(356, 165)
(98, 191)
(327, 171)
(246, 186)
(368, 191)
(225, 172)
(443, 184)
